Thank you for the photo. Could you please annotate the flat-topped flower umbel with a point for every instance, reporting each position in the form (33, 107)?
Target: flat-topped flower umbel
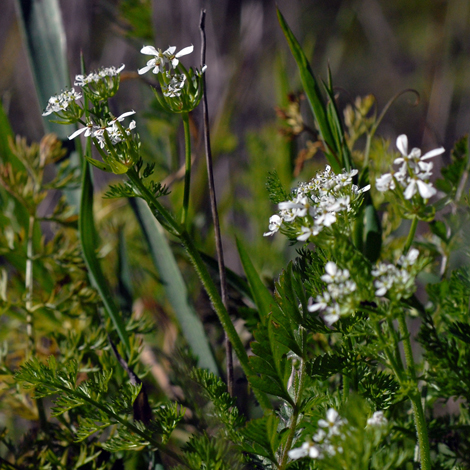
(414, 173)
(318, 204)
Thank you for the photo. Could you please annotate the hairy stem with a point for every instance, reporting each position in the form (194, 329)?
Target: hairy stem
(187, 173)
(213, 199)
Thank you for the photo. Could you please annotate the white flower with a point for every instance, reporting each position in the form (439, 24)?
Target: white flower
(414, 172)
(426, 190)
(332, 314)
(157, 63)
(274, 224)
(333, 274)
(96, 76)
(161, 58)
(173, 58)
(121, 117)
(378, 419)
(61, 101)
(409, 259)
(307, 449)
(307, 232)
(332, 423)
(385, 182)
(414, 157)
(175, 86)
(89, 130)
(321, 302)
(298, 207)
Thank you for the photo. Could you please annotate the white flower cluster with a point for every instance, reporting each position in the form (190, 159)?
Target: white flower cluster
(329, 427)
(317, 204)
(161, 59)
(96, 76)
(61, 101)
(398, 281)
(378, 419)
(112, 129)
(413, 174)
(174, 86)
(339, 298)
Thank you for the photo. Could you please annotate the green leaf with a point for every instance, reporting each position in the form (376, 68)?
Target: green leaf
(314, 96)
(88, 238)
(175, 287)
(373, 229)
(262, 437)
(259, 292)
(45, 40)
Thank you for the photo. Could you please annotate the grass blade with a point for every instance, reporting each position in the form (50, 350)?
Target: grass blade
(313, 93)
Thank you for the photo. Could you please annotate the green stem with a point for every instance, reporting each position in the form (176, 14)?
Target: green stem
(411, 234)
(203, 274)
(415, 397)
(187, 174)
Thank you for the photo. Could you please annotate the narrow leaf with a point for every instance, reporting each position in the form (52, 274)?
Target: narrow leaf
(313, 93)
(260, 293)
(88, 240)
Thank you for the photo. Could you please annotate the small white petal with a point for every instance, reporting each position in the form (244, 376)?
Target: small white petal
(76, 133)
(185, 51)
(144, 69)
(149, 50)
(426, 189)
(433, 153)
(410, 191)
(402, 144)
(298, 453)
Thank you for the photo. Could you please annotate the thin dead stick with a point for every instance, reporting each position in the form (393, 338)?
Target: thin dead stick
(215, 215)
